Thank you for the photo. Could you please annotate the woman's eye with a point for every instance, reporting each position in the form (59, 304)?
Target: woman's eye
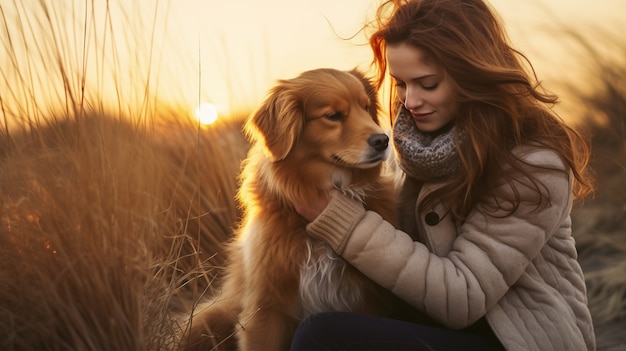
(335, 116)
(430, 86)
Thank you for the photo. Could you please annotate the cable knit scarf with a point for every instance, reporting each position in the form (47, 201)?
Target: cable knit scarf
(424, 156)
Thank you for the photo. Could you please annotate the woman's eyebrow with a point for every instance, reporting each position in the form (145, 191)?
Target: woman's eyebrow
(416, 78)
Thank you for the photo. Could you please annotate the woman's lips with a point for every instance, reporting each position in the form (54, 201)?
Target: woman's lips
(418, 117)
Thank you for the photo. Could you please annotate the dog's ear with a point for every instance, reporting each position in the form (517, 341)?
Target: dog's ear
(370, 89)
(278, 122)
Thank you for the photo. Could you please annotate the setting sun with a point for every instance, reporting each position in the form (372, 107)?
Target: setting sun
(206, 113)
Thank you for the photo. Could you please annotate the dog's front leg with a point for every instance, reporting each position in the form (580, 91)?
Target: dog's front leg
(266, 329)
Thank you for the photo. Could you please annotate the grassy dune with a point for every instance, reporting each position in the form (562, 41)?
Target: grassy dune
(113, 212)
(107, 230)
(600, 223)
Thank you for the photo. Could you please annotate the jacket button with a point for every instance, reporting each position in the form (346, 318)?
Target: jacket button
(432, 218)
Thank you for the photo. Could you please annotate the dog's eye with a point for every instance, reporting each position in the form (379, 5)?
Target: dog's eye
(335, 116)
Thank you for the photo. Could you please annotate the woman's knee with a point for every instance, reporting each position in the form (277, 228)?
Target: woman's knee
(318, 332)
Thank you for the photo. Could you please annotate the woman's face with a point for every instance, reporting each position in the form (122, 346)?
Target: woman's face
(422, 86)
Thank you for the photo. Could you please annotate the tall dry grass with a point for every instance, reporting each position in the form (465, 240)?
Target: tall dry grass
(108, 230)
(113, 209)
(600, 223)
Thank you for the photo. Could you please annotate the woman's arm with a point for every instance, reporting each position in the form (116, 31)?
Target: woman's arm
(487, 257)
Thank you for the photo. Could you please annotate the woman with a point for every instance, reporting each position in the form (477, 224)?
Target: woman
(484, 249)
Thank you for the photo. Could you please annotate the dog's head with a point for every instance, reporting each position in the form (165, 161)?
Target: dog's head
(325, 115)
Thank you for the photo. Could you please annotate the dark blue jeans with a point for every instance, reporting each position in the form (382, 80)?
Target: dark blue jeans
(351, 331)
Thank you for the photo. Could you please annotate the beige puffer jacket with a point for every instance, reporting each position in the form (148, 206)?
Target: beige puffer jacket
(520, 271)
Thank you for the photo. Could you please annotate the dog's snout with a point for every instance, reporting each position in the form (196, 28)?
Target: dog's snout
(378, 142)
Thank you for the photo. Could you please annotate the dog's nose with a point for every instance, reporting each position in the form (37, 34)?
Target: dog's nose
(378, 142)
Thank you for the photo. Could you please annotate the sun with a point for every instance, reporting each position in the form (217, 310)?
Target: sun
(206, 113)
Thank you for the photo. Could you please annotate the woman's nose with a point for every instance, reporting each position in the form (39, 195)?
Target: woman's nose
(412, 99)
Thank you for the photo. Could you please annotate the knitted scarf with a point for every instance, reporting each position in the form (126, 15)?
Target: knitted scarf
(424, 156)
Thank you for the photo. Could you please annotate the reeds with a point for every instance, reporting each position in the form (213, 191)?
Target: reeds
(113, 210)
(600, 224)
(105, 230)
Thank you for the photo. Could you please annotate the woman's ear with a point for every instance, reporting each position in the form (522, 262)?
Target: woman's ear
(278, 122)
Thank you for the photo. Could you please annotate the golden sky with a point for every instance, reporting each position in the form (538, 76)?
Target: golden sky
(242, 47)
(230, 52)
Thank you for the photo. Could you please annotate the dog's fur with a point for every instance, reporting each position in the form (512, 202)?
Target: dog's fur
(314, 133)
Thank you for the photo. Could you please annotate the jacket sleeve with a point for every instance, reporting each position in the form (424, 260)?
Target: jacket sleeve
(488, 256)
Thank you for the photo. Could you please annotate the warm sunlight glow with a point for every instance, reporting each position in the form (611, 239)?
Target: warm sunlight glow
(206, 113)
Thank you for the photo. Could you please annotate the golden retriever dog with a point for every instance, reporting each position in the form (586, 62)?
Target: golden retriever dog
(313, 134)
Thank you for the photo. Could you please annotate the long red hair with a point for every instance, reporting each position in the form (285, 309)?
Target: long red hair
(501, 103)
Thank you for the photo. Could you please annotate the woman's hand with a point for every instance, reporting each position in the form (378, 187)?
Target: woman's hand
(313, 208)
